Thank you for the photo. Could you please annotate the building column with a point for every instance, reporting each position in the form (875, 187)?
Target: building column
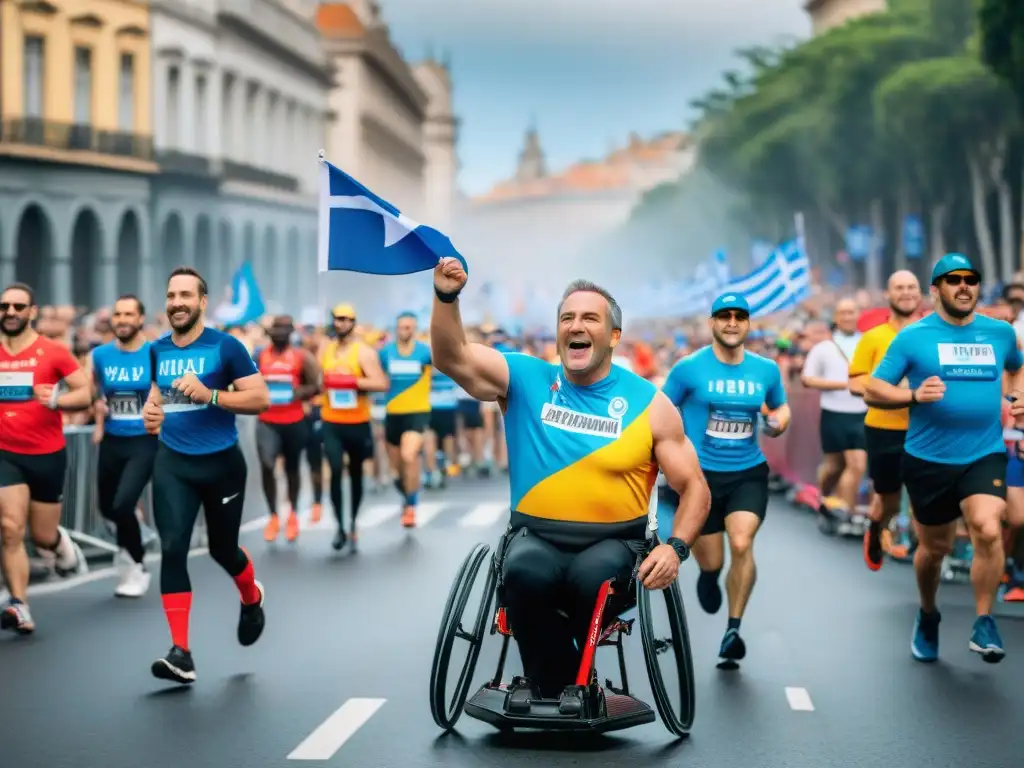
(159, 97)
(107, 282)
(60, 279)
(187, 108)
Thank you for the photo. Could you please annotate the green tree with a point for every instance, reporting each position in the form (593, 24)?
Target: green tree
(1001, 24)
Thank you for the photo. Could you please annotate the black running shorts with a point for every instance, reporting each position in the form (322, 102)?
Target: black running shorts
(397, 424)
(885, 458)
(471, 413)
(287, 440)
(43, 473)
(841, 432)
(745, 490)
(442, 422)
(936, 490)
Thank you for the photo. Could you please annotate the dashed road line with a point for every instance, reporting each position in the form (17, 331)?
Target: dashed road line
(484, 515)
(799, 700)
(324, 742)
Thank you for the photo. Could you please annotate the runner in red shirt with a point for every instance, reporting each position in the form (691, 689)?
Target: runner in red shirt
(293, 376)
(32, 459)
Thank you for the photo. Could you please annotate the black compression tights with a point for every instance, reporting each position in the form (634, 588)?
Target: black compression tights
(124, 469)
(356, 441)
(181, 485)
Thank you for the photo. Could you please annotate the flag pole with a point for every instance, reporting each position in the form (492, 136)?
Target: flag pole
(320, 157)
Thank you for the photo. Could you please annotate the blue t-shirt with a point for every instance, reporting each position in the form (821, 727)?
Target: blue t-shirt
(966, 423)
(409, 378)
(443, 392)
(123, 378)
(218, 360)
(721, 406)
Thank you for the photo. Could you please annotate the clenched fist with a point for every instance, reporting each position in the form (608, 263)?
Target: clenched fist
(931, 390)
(449, 276)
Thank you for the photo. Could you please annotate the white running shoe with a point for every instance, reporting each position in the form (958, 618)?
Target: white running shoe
(134, 581)
(67, 560)
(16, 617)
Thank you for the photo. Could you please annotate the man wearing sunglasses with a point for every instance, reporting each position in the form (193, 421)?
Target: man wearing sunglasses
(954, 462)
(722, 391)
(32, 455)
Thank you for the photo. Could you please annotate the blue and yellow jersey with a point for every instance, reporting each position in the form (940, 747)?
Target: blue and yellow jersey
(581, 459)
(409, 391)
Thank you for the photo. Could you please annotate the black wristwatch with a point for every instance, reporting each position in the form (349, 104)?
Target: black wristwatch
(680, 547)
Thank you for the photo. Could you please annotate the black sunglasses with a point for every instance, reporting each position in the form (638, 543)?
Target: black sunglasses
(957, 279)
(17, 307)
(732, 314)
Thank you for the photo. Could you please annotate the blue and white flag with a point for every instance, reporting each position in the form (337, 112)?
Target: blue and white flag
(360, 232)
(246, 302)
(783, 281)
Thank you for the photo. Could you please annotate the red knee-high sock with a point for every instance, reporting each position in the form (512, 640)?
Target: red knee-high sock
(177, 608)
(246, 583)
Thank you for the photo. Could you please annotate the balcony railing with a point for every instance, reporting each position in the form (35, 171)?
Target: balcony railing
(75, 138)
(251, 175)
(184, 164)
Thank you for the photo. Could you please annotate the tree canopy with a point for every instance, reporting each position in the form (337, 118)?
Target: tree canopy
(910, 111)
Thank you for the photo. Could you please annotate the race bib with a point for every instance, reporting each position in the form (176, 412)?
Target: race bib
(729, 429)
(405, 367)
(445, 398)
(176, 402)
(968, 362)
(124, 406)
(342, 399)
(16, 387)
(281, 391)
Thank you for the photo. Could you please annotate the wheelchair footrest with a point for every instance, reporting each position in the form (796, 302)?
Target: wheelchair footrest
(490, 705)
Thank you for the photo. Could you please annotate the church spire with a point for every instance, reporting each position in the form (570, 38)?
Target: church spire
(531, 160)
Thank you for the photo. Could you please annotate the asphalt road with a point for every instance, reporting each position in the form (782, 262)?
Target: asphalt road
(344, 664)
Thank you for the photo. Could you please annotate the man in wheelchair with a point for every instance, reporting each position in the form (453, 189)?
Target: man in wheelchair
(585, 442)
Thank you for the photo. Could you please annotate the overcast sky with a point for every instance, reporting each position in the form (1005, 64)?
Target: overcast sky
(589, 71)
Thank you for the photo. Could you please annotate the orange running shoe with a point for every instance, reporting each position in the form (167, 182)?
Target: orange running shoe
(454, 470)
(291, 530)
(315, 513)
(1014, 595)
(273, 528)
(873, 547)
(409, 517)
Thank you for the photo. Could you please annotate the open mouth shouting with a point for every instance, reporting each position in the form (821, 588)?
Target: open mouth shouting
(578, 350)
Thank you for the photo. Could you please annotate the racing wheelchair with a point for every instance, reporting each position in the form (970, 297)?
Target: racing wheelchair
(604, 709)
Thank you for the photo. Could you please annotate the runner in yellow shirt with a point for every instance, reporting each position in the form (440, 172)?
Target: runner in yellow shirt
(884, 428)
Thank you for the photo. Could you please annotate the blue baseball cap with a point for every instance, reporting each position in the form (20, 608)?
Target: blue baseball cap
(952, 262)
(730, 301)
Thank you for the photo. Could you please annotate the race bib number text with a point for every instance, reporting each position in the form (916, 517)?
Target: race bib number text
(342, 399)
(968, 362)
(125, 406)
(16, 387)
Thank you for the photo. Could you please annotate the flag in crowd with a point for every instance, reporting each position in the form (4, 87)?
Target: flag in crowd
(361, 232)
(244, 304)
(781, 282)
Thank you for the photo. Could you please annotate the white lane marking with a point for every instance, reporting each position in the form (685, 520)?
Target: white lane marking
(426, 512)
(332, 733)
(799, 699)
(373, 516)
(254, 525)
(484, 515)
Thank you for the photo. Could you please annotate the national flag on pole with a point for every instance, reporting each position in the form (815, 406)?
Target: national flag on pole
(361, 232)
(245, 304)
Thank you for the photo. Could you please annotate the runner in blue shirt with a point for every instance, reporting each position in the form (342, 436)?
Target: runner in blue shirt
(723, 390)
(122, 376)
(441, 456)
(198, 462)
(955, 460)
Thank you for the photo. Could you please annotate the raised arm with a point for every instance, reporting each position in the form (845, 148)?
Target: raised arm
(481, 371)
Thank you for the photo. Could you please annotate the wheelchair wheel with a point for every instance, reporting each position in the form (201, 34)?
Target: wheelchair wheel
(446, 709)
(678, 722)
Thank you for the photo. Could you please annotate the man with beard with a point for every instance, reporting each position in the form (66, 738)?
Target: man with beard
(885, 425)
(351, 371)
(292, 377)
(122, 377)
(722, 391)
(585, 441)
(198, 462)
(954, 460)
(407, 364)
(32, 455)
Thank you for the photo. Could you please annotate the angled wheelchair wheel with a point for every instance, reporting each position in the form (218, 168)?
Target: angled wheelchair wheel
(677, 716)
(446, 706)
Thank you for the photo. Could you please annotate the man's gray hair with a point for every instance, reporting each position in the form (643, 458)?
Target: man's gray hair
(585, 286)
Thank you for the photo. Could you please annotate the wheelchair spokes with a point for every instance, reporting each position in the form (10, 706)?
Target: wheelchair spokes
(677, 711)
